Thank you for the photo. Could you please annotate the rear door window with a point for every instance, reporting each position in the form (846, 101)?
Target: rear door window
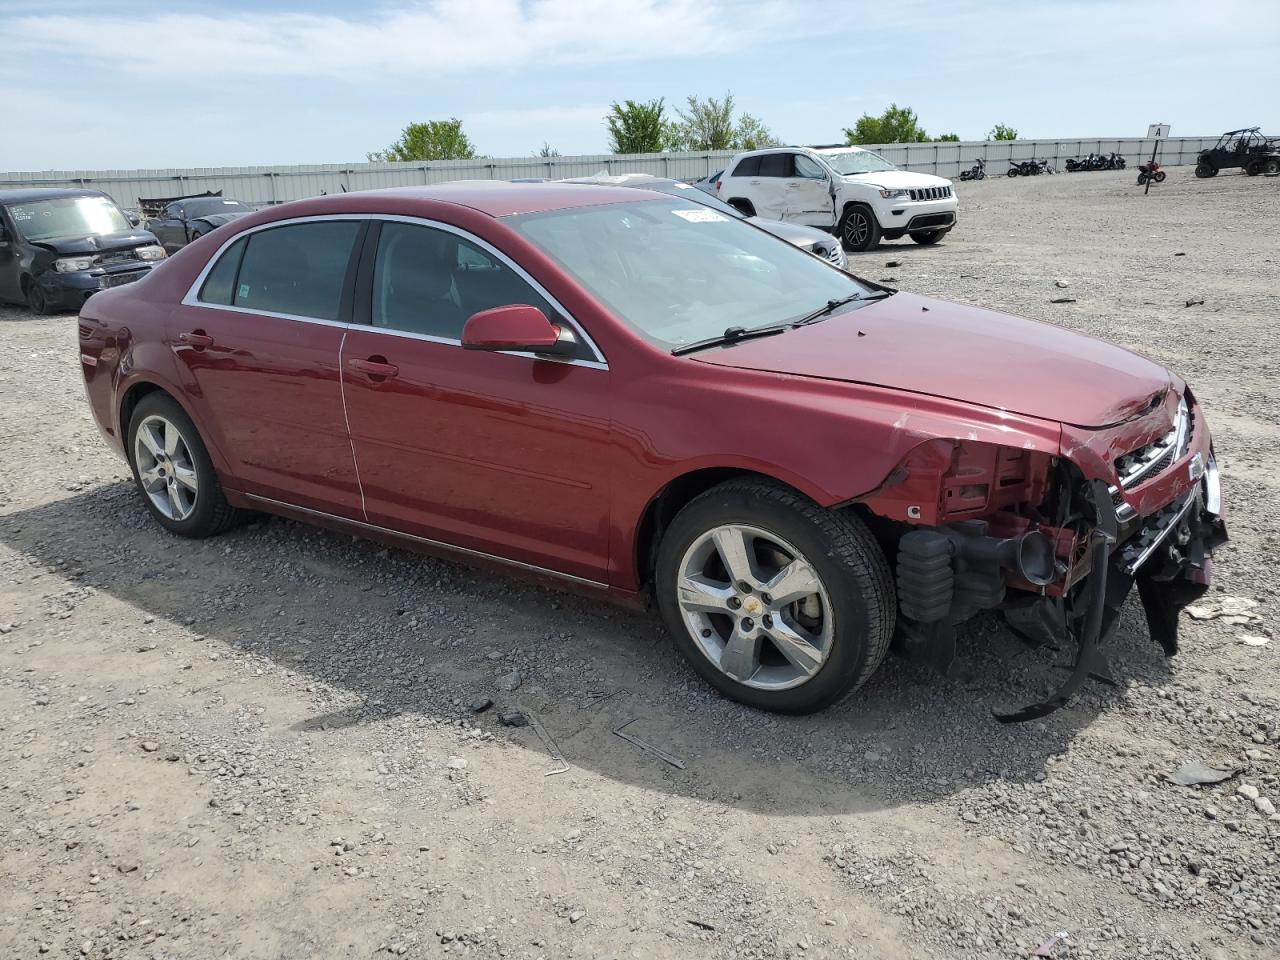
(777, 165)
(748, 167)
(299, 269)
(220, 283)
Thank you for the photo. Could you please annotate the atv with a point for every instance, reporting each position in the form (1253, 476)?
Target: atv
(1246, 148)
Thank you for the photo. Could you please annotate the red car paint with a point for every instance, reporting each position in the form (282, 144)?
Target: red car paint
(562, 470)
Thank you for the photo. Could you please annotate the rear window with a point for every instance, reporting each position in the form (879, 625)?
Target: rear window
(298, 269)
(747, 167)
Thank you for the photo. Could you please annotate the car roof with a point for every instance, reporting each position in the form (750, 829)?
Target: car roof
(31, 194)
(501, 198)
(829, 148)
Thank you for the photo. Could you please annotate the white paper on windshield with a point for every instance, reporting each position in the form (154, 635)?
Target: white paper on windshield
(700, 216)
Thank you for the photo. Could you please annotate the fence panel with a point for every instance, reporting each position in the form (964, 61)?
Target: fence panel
(262, 186)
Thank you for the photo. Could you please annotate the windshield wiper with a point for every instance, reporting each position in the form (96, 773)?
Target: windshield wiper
(831, 306)
(732, 335)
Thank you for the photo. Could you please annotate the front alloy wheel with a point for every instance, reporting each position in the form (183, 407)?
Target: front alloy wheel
(755, 607)
(775, 601)
(859, 229)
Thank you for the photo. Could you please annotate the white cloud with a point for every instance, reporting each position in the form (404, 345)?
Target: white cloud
(416, 39)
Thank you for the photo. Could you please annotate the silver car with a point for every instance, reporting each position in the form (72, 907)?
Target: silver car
(821, 244)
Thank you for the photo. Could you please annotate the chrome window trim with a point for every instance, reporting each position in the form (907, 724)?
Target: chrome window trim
(192, 296)
(468, 551)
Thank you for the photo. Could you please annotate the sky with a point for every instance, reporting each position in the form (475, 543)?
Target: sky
(87, 85)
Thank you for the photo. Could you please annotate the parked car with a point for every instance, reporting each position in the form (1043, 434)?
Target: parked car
(810, 239)
(186, 219)
(58, 247)
(631, 395)
(854, 193)
(711, 184)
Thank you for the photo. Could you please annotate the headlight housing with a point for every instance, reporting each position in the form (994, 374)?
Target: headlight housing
(72, 264)
(893, 194)
(152, 251)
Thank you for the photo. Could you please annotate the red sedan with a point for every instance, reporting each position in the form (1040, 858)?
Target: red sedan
(634, 396)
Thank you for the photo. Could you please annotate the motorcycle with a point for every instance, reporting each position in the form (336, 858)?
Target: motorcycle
(977, 172)
(1028, 168)
(1150, 171)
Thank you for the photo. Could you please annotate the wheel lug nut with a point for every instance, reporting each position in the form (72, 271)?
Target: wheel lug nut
(747, 623)
(766, 599)
(706, 634)
(744, 587)
(734, 603)
(767, 620)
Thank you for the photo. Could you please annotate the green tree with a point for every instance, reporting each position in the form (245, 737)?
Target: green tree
(547, 151)
(949, 138)
(637, 127)
(1001, 132)
(896, 125)
(432, 140)
(710, 125)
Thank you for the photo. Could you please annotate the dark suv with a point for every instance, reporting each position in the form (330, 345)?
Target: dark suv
(57, 247)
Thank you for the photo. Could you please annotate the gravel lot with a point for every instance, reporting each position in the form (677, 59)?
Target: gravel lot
(262, 746)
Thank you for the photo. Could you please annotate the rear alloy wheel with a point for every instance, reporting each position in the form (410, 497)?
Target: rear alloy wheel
(173, 470)
(778, 603)
(859, 229)
(928, 237)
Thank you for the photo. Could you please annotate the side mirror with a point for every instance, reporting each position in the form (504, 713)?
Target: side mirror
(517, 326)
(134, 219)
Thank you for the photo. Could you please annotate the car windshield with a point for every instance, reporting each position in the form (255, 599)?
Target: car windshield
(67, 217)
(857, 161)
(207, 205)
(678, 272)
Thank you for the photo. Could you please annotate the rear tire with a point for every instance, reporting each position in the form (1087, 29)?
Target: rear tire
(1272, 167)
(859, 229)
(1205, 170)
(173, 471)
(927, 238)
(1253, 167)
(827, 561)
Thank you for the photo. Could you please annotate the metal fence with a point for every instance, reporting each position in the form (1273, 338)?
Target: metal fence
(268, 185)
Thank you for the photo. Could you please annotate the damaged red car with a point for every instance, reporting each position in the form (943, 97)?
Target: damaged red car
(641, 399)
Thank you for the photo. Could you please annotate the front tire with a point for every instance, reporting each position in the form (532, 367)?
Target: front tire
(859, 229)
(173, 471)
(1160, 175)
(775, 601)
(37, 302)
(1205, 170)
(927, 238)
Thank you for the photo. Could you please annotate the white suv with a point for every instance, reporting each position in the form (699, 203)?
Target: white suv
(854, 193)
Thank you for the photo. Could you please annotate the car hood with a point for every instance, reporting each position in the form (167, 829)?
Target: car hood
(926, 346)
(218, 219)
(795, 233)
(99, 243)
(899, 179)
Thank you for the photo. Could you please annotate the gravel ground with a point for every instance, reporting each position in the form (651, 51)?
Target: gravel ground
(263, 745)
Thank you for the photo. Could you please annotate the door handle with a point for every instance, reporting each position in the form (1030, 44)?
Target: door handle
(197, 338)
(375, 368)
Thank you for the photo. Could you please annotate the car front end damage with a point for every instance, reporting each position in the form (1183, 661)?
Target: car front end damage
(1055, 542)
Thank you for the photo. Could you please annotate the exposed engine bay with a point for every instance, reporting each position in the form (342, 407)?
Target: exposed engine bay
(1050, 543)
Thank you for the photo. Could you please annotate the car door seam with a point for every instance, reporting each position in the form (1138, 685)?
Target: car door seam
(351, 441)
